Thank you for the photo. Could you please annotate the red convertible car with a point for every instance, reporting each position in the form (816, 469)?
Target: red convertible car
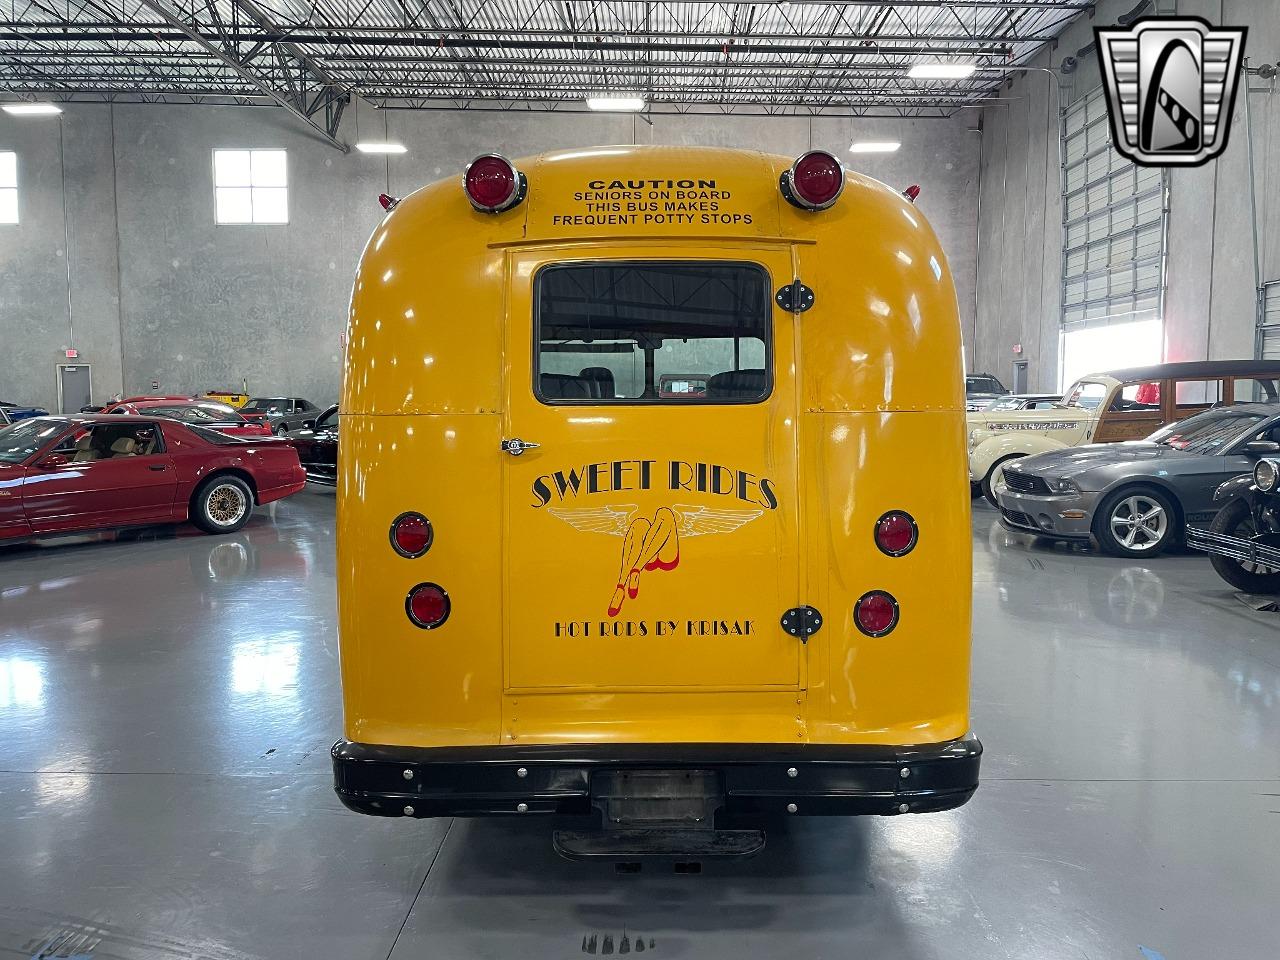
(87, 472)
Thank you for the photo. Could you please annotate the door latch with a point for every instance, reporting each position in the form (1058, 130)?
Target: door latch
(516, 446)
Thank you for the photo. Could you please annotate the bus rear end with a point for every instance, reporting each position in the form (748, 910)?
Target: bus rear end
(652, 510)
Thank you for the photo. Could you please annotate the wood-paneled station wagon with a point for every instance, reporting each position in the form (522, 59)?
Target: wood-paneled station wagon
(1109, 407)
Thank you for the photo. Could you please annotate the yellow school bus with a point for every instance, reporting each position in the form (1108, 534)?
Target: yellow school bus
(653, 510)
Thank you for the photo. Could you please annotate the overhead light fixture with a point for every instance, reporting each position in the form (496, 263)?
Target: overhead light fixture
(874, 146)
(32, 109)
(628, 104)
(941, 71)
(381, 146)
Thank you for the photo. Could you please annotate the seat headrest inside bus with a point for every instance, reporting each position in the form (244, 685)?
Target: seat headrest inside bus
(736, 384)
(562, 386)
(599, 381)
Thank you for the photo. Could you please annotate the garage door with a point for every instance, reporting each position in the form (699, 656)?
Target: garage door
(1269, 333)
(1113, 229)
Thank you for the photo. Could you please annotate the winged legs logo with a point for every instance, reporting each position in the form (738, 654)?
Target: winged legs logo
(1171, 86)
(650, 543)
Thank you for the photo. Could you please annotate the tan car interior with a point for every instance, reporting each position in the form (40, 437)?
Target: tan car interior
(90, 447)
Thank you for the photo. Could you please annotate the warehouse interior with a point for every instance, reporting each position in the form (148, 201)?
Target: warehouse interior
(194, 199)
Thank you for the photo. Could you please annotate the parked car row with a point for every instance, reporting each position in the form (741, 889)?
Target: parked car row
(1111, 407)
(12, 412)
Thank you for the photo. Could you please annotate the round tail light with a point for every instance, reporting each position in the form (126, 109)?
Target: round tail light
(493, 184)
(876, 613)
(896, 533)
(813, 182)
(411, 535)
(427, 605)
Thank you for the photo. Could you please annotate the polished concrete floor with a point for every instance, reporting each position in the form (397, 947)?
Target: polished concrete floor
(167, 700)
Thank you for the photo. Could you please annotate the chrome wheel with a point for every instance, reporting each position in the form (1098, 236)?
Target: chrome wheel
(226, 504)
(1139, 523)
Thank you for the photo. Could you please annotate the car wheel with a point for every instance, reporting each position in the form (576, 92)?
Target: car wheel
(281, 430)
(994, 480)
(1136, 522)
(1236, 520)
(223, 504)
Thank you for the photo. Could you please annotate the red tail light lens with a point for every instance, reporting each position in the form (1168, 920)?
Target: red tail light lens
(411, 535)
(814, 182)
(896, 533)
(493, 184)
(876, 613)
(427, 605)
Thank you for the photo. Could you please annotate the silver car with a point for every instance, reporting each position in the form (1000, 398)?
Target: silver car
(1137, 498)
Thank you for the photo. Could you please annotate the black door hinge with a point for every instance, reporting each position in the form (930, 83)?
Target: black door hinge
(795, 297)
(802, 622)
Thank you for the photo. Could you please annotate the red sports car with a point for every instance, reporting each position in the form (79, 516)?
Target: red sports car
(86, 472)
(202, 413)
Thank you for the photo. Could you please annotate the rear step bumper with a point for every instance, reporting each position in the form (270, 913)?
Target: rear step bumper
(760, 780)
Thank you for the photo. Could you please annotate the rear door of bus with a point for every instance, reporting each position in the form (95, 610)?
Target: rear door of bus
(651, 528)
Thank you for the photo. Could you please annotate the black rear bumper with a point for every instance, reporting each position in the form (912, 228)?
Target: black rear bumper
(758, 780)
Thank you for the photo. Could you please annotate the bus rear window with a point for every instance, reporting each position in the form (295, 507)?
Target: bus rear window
(655, 332)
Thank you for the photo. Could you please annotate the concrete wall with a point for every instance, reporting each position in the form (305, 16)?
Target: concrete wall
(1209, 311)
(159, 293)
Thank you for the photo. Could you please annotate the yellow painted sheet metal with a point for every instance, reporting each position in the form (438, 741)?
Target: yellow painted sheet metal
(865, 415)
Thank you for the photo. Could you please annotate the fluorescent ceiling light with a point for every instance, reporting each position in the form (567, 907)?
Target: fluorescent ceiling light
(32, 109)
(381, 146)
(941, 71)
(626, 104)
(874, 146)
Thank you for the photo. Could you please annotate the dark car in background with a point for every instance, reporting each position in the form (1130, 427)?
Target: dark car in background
(281, 414)
(980, 388)
(1136, 498)
(12, 412)
(1243, 541)
(317, 445)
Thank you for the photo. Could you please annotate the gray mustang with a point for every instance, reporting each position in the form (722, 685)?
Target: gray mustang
(1136, 499)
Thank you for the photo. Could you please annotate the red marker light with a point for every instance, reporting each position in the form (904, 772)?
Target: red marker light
(493, 184)
(912, 192)
(876, 613)
(411, 535)
(388, 202)
(896, 533)
(814, 182)
(427, 606)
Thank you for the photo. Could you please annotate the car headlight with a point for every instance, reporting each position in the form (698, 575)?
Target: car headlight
(1062, 485)
(1265, 474)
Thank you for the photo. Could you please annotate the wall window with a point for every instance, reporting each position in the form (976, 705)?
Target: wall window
(251, 186)
(8, 186)
(1113, 215)
(653, 332)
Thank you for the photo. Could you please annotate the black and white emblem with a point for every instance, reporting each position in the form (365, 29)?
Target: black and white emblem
(1170, 85)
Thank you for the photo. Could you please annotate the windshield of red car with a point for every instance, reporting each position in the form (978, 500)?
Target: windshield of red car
(202, 413)
(25, 437)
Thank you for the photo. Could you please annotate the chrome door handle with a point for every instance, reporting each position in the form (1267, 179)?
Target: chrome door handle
(516, 446)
